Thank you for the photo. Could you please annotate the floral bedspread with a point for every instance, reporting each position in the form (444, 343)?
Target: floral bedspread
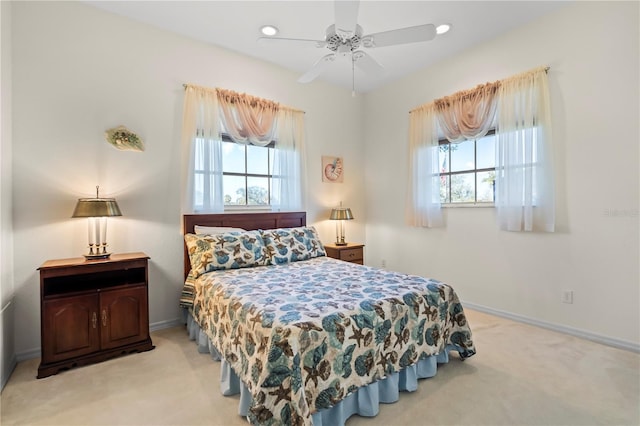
(304, 335)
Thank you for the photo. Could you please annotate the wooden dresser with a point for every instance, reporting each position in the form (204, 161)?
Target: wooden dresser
(92, 310)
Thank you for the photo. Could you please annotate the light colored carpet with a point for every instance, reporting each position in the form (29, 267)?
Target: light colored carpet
(521, 375)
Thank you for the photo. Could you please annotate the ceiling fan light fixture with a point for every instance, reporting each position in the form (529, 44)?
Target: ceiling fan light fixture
(345, 37)
(269, 30)
(443, 28)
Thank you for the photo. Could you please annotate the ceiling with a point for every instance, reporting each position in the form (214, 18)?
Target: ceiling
(235, 25)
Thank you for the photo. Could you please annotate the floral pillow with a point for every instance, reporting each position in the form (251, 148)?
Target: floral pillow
(231, 250)
(286, 245)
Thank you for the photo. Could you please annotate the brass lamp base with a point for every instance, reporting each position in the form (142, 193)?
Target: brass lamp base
(100, 251)
(96, 256)
(340, 243)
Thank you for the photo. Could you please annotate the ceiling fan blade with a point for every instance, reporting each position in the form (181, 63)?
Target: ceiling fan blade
(346, 16)
(367, 64)
(317, 68)
(298, 41)
(415, 34)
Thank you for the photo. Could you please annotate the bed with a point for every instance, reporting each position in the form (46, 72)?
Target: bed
(303, 338)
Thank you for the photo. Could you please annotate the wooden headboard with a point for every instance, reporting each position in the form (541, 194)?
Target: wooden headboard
(248, 221)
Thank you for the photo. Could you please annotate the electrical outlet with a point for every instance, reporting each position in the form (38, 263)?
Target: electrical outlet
(383, 263)
(567, 296)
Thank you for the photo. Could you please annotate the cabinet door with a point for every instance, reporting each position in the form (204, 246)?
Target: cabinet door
(70, 327)
(124, 316)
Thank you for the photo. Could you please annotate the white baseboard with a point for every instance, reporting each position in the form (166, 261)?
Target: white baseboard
(30, 354)
(160, 325)
(616, 343)
(8, 371)
(8, 359)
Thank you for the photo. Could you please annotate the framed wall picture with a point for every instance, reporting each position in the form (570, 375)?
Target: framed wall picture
(332, 169)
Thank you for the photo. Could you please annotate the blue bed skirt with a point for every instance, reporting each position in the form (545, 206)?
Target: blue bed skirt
(364, 402)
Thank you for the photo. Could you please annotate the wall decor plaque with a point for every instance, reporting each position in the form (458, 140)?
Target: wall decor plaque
(124, 139)
(332, 169)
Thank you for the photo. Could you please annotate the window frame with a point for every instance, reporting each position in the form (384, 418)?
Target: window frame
(270, 159)
(475, 171)
(246, 175)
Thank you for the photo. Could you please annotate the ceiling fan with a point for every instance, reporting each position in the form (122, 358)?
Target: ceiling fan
(345, 38)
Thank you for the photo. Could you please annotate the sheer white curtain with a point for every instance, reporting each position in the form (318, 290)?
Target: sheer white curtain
(525, 199)
(423, 199)
(246, 119)
(202, 151)
(288, 175)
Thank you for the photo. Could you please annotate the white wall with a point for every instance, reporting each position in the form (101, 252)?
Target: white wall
(7, 348)
(592, 49)
(78, 71)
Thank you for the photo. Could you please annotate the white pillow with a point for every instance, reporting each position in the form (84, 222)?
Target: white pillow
(215, 230)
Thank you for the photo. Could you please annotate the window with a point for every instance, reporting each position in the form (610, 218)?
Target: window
(247, 171)
(468, 170)
(246, 174)
(219, 174)
(519, 181)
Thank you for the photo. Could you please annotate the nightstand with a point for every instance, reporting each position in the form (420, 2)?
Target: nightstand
(351, 252)
(92, 310)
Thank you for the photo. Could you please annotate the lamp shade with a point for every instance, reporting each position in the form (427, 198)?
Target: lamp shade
(341, 213)
(96, 207)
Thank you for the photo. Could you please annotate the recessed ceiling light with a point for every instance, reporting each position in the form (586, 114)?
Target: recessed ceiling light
(441, 29)
(269, 30)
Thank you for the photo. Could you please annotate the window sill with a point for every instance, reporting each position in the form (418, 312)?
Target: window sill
(467, 205)
(247, 208)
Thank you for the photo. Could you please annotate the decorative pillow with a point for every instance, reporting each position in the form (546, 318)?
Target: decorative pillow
(292, 244)
(215, 230)
(231, 250)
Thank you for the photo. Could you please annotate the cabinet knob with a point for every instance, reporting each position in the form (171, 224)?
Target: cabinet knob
(104, 317)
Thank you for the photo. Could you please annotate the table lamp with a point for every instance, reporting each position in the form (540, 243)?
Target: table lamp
(97, 210)
(340, 214)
